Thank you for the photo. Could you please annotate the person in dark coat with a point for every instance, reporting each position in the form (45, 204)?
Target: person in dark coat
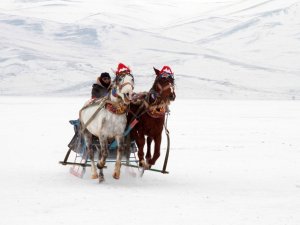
(101, 87)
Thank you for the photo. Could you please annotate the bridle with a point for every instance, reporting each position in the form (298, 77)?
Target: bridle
(120, 107)
(120, 86)
(159, 107)
(160, 88)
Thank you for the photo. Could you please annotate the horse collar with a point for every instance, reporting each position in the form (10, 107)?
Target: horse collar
(116, 109)
(157, 111)
(157, 108)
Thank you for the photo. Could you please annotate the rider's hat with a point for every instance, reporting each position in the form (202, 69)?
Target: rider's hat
(104, 75)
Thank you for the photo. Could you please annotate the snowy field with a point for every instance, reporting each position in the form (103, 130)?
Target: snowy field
(235, 145)
(231, 163)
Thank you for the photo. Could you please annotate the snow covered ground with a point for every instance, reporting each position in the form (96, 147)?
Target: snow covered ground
(231, 163)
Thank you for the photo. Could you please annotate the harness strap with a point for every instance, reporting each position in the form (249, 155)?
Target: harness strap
(124, 84)
(101, 105)
(138, 112)
(168, 145)
(163, 89)
(146, 104)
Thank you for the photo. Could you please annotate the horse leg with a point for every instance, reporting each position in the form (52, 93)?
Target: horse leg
(102, 156)
(148, 154)
(127, 148)
(157, 142)
(140, 141)
(88, 141)
(120, 141)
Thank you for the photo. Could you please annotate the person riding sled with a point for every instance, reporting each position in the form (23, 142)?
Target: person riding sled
(101, 86)
(99, 90)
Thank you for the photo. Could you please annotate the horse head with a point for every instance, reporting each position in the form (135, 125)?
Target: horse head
(123, 85)
(164, 83)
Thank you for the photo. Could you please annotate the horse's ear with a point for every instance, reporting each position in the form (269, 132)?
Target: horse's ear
(156, 71)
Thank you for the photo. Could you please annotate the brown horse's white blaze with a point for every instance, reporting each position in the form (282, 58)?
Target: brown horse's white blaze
(109, 123)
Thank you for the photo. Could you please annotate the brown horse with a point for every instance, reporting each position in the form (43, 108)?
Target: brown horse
(150, 109)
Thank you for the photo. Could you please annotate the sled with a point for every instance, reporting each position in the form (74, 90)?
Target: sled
(78, 151)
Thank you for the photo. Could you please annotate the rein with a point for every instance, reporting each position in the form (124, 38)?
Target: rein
(120, 86)
(101, 105)
(168, 144)
(162, 89)
(123, 85)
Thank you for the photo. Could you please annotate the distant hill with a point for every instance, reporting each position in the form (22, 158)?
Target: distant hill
(229, 50)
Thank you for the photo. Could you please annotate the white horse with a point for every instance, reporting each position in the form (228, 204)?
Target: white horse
(108, 123)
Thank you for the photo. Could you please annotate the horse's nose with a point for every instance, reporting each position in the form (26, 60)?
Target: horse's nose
(172, 96)
(129, 95)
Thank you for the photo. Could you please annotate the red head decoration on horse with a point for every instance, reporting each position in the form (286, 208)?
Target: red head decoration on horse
(124, 82)
(122, 70)
(164, 83)
(165, 72)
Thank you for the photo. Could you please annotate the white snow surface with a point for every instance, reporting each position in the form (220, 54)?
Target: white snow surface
(228, 49)
(231, 163)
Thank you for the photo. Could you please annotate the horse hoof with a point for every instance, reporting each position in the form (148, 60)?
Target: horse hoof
(145, 165)
(94, 176)
(116, 175)
(150, 162)
(101, 179)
